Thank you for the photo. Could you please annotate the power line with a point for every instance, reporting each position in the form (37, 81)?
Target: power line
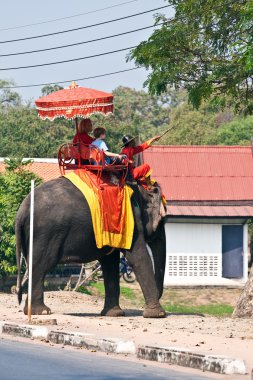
(76, 80)
(65, 61)
(67, 17)
(84, 27)
(80, 43)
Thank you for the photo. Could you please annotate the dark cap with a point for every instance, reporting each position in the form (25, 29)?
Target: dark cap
(127, 139)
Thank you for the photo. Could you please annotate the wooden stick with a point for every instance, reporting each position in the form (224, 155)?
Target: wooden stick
(167, 130)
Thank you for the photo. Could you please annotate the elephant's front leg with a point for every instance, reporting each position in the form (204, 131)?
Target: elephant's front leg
(110, 267)
(142, 265)
(158, 248)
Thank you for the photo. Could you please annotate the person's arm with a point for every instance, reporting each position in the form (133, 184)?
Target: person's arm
(104, 147)
(140, 148)
(110, 154)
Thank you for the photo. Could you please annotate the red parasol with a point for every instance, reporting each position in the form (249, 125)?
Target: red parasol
(73, 102)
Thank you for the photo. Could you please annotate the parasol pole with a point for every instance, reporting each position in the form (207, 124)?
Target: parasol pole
(76, 122)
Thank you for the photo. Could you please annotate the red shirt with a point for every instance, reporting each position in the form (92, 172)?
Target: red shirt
(83, 137)
(131, 151)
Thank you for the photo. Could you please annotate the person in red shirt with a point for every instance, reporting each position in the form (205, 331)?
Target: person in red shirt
(84, 127)
(143, 171)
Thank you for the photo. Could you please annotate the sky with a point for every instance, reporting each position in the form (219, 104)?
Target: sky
(46, 14)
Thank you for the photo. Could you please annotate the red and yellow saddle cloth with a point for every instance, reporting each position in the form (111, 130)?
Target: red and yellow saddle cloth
(110, 207)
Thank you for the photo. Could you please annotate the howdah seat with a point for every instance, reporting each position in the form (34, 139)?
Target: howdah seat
(76, 156)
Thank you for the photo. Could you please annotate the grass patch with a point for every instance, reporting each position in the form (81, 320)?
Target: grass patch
(99, 286)
(125, 292)
(84, 290)
(218, 310)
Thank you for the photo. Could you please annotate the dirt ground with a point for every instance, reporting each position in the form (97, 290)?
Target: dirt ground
(204, 334)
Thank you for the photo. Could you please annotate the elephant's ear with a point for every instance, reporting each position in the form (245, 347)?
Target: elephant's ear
(151, 208)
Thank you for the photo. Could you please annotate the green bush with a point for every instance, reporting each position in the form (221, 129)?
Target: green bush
(14, 186)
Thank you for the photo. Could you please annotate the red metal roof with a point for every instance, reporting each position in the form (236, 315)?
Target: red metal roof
(45, 168)
(203, 173)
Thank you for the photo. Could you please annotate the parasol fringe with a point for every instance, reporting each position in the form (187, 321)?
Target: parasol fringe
(76, 115)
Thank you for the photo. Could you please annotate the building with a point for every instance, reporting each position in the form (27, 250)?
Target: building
(209, 193)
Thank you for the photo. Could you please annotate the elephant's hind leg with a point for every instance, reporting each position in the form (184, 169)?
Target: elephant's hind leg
(110, 267)
(38, 306)
(37, 309)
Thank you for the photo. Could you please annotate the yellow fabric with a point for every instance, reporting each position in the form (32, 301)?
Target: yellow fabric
(102, 237)
(148, 173)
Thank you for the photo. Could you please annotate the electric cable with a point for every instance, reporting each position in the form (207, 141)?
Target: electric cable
(67, 60)
(67, 17)
(80, 43)
(83, 27)
(76, 80)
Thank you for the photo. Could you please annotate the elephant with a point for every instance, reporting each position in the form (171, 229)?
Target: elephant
(63, 233)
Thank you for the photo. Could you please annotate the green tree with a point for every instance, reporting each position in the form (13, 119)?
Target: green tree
(14, 186)
(190, 127)
(135, 113)
(237, 132)
(22, 133)
(49, 88)
(206, 48)
(7, 96)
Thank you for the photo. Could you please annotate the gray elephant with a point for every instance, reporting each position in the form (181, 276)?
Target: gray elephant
(63, 233)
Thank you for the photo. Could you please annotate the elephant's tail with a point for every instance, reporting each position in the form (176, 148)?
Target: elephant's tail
(19, 288)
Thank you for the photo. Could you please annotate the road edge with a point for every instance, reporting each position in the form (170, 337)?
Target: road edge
(171, 355)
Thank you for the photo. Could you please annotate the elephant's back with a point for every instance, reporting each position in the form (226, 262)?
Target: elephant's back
(59, 190)
(57, 199)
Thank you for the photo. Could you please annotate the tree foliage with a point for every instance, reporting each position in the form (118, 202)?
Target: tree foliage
(23, 134)
(49, 88)
(7, 96)
(207, 126)
(14, 186)
(206, 48)
(135, 113)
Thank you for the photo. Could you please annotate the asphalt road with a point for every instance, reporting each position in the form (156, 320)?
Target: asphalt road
(21, 360)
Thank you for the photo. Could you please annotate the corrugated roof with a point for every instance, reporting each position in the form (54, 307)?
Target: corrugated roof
(45, 168)
(205, 173)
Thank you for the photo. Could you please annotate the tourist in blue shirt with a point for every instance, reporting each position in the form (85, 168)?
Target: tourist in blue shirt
(100, 135)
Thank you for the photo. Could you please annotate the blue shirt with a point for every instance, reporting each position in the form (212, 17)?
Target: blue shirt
(102, 146)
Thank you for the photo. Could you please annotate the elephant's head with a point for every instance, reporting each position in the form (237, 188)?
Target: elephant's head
(152, 207)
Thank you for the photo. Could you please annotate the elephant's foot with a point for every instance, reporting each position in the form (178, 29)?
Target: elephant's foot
(115, 311)
(154, 312)
(40, 309)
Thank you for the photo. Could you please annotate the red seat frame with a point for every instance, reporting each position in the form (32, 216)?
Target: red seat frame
(75, 156)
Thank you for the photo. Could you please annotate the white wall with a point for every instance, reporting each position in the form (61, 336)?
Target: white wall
(193, 238)
(194, 254)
